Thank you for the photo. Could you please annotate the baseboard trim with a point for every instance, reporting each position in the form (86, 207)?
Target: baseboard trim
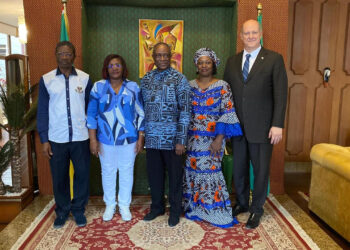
(297, 167)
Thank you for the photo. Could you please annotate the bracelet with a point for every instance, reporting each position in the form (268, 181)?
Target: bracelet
(142, 133)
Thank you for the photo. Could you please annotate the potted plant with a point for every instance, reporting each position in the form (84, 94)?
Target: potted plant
(20, 121)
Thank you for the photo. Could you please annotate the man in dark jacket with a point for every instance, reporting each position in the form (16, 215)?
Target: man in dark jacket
(259, 85)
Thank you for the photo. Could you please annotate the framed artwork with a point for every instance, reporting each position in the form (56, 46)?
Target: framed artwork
(153, 31)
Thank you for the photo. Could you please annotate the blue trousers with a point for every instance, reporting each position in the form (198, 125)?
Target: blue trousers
(79, 153)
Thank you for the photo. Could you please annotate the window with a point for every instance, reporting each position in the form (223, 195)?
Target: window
(3, 44)
(8, 45)
(2, 72)
(16, 46)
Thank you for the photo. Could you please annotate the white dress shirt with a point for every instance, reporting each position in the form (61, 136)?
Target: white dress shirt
(252, 58)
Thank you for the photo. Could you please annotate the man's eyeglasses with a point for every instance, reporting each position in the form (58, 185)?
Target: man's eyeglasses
(111, 65)
(62, 54)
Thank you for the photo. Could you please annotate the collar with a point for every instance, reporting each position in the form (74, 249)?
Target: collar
(123, 82)
(73, 72)
(166, 71)
(253, 54)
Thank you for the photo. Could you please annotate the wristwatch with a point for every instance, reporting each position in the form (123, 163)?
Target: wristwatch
(142, 133)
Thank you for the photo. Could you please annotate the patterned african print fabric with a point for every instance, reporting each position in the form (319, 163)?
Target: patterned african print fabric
(204, 188)
(166, 96)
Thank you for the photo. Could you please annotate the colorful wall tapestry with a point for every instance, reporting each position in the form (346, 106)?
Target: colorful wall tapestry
(153, 31)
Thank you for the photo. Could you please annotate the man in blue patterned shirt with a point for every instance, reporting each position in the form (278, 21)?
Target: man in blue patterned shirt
(166, 96)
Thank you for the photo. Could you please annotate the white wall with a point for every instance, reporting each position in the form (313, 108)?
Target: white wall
(8, 29)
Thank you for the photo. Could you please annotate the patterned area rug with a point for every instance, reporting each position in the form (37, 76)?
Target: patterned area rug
(278, 230)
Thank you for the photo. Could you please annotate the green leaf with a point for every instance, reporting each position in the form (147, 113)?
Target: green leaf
(4, 127)
(6, 153)
(30, 127)
(14, 106)
(31, 113)
(14, 101)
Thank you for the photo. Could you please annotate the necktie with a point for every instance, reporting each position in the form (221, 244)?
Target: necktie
(246, 67)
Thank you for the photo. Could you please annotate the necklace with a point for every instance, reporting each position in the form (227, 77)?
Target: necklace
(116, 86)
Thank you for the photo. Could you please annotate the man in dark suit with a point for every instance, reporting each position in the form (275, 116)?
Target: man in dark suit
(259, 85)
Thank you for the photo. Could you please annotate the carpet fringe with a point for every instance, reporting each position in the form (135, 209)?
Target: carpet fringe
(294, 223)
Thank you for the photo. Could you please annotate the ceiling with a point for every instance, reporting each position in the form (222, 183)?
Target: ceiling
(10, 10)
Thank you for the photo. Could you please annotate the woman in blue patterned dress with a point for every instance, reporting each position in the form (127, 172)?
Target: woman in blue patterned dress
(213, 120)
(115, 120)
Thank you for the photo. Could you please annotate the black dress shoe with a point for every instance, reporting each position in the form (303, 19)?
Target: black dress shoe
(152, 215)
(60, 221)
(237, 209)
(173, 220)
(80, 220)
(253, 221)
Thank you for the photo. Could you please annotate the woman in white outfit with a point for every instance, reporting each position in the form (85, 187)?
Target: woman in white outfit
(115, 120)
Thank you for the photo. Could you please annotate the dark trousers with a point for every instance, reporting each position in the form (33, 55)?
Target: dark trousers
(260, 155)
(157, 162)
(79, 153)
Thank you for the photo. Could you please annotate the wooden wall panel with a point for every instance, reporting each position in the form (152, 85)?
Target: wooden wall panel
(347, 46)
(326, 110)
(277, 168)
(44, 172)
(302, 36)
(322, 114)
(296, 122)
(328, 35)
(344, 121)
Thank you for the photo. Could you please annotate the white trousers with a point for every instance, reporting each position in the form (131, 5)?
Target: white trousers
(114, 159)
